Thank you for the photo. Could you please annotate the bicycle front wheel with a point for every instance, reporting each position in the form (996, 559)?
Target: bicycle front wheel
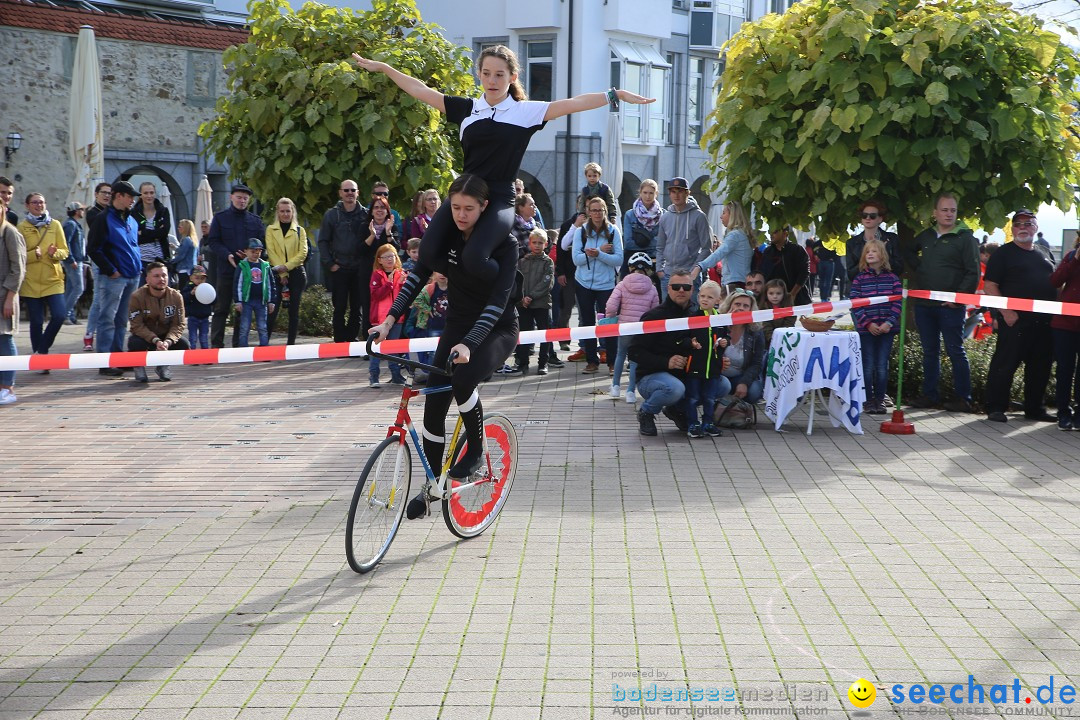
(378, 503)
(471, 505)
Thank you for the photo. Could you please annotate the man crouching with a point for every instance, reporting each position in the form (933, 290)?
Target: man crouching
(156, 312)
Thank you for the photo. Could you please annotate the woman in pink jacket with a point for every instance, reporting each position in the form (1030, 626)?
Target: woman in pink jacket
(387, 277)
(632, 297)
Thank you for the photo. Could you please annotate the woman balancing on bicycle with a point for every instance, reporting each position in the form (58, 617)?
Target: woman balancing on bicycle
(481, 327)
(495, 132)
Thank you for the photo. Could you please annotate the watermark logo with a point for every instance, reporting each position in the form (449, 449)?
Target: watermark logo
(861, 694)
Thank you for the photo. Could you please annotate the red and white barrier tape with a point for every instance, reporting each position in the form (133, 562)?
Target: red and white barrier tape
(90, 361)
(1051, 307)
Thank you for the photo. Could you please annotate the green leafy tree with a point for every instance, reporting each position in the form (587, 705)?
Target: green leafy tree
(299, 117)
(840, 100)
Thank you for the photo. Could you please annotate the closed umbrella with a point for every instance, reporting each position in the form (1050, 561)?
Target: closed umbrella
(86, 142)
(204, 203)
(613, 139)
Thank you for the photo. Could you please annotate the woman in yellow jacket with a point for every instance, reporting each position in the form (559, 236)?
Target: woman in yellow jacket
(44, 283)
(286, 249)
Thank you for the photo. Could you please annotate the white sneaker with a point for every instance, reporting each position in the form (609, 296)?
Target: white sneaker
(630, 398)
(7, 397)
(616, 391)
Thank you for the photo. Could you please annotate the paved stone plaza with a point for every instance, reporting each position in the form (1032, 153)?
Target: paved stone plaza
(176, 550)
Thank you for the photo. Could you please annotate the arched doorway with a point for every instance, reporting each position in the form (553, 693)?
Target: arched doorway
(703, 199)
(542, 200)
(631, 185)
(149, 173)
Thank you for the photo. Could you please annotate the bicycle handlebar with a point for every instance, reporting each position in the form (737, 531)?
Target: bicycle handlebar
(401, 360)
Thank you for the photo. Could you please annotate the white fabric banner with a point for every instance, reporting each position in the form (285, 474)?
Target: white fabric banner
(800, 361)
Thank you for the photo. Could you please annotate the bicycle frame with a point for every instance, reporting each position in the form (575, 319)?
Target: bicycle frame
(403, 427)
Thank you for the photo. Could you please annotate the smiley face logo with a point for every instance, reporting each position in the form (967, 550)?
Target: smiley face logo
(861, 693)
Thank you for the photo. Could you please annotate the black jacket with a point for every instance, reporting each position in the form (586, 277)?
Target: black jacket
(564, 259)
(230, 231)
(653, 352)
(156, 232)
(343, 236)
(792, 265)
(855, 247)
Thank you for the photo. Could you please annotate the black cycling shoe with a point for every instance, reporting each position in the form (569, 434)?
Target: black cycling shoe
(417, 507)
(466, 467)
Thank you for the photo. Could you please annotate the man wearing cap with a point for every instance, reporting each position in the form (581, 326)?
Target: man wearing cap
(343, 247)
(157, 319)
(1020, 269)
(228, 238)
(113, 245)
(684, 238)
(945, 258)
(73, 263)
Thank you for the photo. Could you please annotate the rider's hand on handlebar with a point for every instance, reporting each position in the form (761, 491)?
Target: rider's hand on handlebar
(462, 354)
(379, 332)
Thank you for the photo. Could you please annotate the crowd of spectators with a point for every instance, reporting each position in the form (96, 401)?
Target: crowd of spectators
(650, 262)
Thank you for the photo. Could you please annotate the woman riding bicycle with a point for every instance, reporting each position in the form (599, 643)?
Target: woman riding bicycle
(481, 327)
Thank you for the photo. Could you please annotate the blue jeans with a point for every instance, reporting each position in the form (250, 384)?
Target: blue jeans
(7, 349)
(1066, 350)
(258, 309)
(623, 343)
(395, 369)
(658, 391)
(937, 323)
(73, 288)
(113, 312)
(588, 302)
(700, 391)
(198, 333)
(42, 341)
(875, 362)
(826, 271)
(753, 390)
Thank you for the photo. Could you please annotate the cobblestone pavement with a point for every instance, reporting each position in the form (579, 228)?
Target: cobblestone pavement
(176, 550)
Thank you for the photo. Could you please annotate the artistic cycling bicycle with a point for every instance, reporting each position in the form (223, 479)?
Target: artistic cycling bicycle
(469, 506)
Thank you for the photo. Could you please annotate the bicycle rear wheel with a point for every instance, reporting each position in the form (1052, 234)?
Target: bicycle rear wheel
(471, 505)
(378, 503)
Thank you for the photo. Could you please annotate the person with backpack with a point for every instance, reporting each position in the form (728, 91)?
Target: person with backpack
(597, 250)
(641, 223)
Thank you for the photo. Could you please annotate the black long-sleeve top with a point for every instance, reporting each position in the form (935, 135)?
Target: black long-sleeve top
(469, 296)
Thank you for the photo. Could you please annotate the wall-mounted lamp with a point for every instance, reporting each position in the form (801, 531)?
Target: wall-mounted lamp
(11, 146)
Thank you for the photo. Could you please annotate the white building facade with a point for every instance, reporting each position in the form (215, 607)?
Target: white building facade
(667, 49)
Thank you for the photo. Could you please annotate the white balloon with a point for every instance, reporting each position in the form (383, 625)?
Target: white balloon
(205, 293)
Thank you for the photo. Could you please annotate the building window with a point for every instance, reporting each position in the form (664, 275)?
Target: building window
(695, 100)
(538, 69)
(641, 69)
(713, 22)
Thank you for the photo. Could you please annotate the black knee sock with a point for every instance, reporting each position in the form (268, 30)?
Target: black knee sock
(472, 418)
(434, 452)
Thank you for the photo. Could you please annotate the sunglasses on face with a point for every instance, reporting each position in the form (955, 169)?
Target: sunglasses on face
(1025, 223)
(381, 193)
(681, 287)
(870, 216)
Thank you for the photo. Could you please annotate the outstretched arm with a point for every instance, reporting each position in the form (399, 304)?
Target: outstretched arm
(410, 85)
(591, 101)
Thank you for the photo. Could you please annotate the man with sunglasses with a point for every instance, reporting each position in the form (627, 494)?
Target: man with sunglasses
(661, 358)
(872, 215)
(1020, 269)
(946, 259)
(349, 260)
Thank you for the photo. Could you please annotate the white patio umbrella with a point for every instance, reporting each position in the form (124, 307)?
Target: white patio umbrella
(165, 198)
(613, 139)
(204, 204)
(86, 142)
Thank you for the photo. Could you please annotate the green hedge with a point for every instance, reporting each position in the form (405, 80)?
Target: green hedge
(316, 314)
(979, 353)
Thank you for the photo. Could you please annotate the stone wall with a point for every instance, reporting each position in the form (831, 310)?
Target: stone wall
(154, 99)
